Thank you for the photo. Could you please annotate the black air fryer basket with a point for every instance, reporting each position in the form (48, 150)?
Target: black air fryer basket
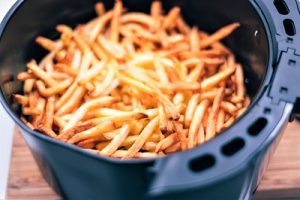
(228, 167)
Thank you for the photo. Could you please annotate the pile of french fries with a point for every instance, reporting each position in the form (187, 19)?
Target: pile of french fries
(134, 85)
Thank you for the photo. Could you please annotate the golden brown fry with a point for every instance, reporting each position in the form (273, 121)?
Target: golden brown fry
(115, 22)
(93, 104)
(66, 69)
(47, 92)
(145, 134)
(228, 107)
(41, 73)
(66, 135)
(116, 141)
(219, 35)
(46, 43)
(23, 100)
(167, 142)
(156, 12)
(46, 123)
(92, 132)
(22, 76)
(220, 121)
(194, 40)
(196, 121)
(171, 18)
(100, 25)
(201, 135)
(190, 110)
(140, 18)
(216, 79)
(91, 73)
(212, 116)
(72, 103)
(240, 86)
(100, 8)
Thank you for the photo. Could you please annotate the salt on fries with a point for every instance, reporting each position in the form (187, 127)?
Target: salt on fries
(133, 85)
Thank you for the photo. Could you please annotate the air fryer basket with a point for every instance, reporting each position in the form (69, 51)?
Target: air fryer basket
(228, 167)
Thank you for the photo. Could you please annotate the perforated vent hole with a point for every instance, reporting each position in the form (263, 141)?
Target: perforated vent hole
(233, 146)
(289, 27)
(257, 126)
(281, 7)
(202, 163)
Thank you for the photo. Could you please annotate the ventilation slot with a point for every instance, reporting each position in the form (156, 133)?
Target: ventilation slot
(233, 147)
(257, 126)
(289, 27)
(202, 163)
(281, 7)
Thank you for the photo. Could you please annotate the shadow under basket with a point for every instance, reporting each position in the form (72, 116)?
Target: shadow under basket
(229, 166)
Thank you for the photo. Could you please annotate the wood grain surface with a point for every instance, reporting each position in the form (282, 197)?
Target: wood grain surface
(280, 182)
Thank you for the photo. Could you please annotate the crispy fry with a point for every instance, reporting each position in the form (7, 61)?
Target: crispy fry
(60, 87)
(220, 120)
(115, 22)
(79, 114)
(41, 73)
(91, 73)
(23, 100)
(171, 18)
(216, 79)
(196, 121)
(147, 131)
(116, 142)
(72, 103)
(190, 110)
(92, 132)
(194, 40)
(211, 120)
(220, 34)
(46, 43)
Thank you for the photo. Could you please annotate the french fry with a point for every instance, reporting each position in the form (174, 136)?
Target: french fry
(66, 135)
(166, 143)
(220, 120)
(66, 69)
(23, 100)
(72, 103)
(196, 122)
(190, 110)
(41, 74)
(136, 17)
(100, 8)
(211, 120)
(171, 18)
(194, 40)
(79, 114)
(91, 73)
(116, 141)
(220, 34)
(46, 43)
(216, 79)
(48, 92)
(147, 131)
(115, 22)
(156, 12)
(92, 132)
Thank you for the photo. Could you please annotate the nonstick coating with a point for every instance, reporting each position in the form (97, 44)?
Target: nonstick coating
(70, 172)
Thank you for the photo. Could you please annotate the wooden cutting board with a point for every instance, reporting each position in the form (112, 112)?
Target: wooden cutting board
(281, 181)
